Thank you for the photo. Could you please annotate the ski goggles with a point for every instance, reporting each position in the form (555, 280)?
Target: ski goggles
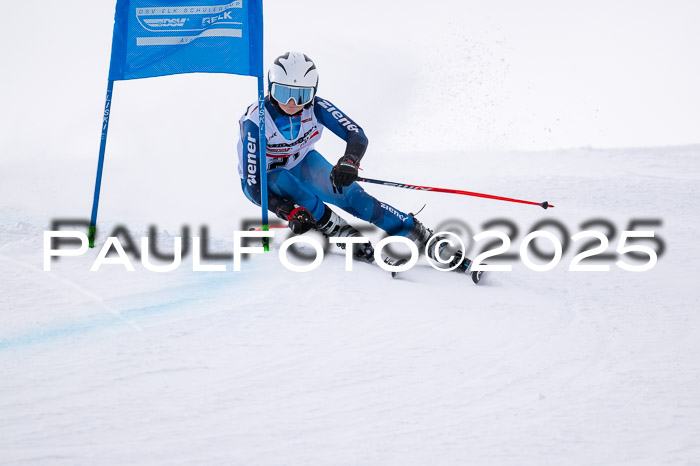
(300, 95)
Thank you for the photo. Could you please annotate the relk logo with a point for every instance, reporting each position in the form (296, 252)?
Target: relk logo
(215, 19)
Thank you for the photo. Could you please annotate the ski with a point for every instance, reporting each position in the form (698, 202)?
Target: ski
(394, 263)
(462, 268)
(475, 276)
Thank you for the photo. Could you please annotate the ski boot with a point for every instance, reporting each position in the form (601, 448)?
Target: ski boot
(420, 235)
(332, 225)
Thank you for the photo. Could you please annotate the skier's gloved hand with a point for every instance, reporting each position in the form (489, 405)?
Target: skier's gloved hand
(344, 173)
(300, 220)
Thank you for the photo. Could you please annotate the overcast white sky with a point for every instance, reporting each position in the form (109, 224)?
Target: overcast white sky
(450, 75)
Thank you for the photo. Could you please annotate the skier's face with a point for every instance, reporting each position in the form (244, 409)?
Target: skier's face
(290, 108)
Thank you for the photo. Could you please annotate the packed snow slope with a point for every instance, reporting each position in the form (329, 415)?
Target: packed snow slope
(271, 367)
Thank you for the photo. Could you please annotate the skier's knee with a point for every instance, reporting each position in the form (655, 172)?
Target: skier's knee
(282, 183)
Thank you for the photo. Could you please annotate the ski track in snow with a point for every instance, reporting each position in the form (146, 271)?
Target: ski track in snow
(271, 367)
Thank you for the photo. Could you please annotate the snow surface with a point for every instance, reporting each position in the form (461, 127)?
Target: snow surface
(266, 366)
(270, 367)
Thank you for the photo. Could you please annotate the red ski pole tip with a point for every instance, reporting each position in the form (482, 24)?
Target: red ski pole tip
(544, 205)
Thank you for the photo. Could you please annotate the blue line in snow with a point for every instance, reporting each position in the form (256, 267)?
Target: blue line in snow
(104, 321)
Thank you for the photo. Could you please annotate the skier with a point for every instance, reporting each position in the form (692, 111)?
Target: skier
(300, 180)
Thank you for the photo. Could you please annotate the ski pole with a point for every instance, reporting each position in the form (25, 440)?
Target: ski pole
(544, 204)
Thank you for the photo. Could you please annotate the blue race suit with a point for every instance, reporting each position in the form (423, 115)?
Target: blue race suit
(298, 173)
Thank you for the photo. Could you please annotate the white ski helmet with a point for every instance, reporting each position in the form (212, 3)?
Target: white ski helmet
(293, 76)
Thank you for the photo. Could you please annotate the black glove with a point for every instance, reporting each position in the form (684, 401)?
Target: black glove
(344, 173)
(300, 220)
